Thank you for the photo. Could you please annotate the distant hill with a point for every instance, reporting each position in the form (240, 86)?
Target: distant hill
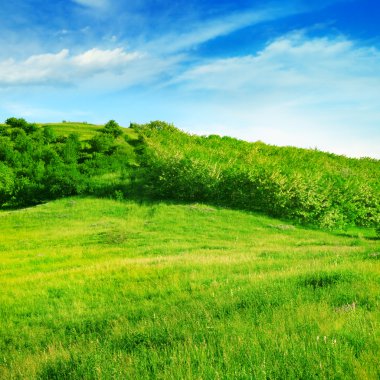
(157, 160)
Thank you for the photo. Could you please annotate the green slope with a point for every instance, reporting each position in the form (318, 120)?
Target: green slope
(158, 161)
(84, 130)
(308, 186)
(100, 289)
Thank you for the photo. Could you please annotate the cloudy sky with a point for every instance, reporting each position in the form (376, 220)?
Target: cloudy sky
(299, 72)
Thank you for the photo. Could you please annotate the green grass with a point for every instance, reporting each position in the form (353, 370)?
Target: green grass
(100, 289)
(84, 130)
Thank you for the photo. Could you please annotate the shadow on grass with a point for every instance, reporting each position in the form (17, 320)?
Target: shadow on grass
(135, 191)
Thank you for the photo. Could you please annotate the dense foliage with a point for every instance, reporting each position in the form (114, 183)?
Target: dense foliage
(304, 185)
(159, 161)
(36, 164)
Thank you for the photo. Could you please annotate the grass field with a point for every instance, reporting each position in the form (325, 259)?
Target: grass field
(100, 289)
(84, 130)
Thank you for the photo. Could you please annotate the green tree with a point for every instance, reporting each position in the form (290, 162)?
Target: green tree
(102, 143)
(71, 149)
(49, 134)
(112, 128)
(6, 183)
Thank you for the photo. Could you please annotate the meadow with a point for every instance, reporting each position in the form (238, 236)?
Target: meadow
(104, 289)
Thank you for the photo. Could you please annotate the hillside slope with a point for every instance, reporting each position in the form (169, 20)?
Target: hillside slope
(157, 160)
(100, 289)
(303, 185)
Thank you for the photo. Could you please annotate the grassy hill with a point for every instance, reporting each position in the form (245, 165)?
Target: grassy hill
(85, 130)
(184, 257)
(99, 289)
(158, 161)
(308, 186)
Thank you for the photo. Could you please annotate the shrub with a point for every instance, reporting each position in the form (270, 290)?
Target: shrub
(21, 123)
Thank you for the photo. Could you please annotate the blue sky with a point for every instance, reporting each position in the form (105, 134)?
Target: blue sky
(299, 72)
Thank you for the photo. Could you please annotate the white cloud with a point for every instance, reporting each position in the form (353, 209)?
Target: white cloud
(291, 62)
(104, 59)
(297, 91)
(64, 68)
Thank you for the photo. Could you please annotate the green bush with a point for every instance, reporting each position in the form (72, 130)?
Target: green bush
(102, 143)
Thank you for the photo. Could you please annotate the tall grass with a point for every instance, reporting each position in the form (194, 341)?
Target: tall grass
(304, 185)
(100, 289)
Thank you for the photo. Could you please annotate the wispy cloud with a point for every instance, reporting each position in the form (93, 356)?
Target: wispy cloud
(298, 69)
(198, 32)
(92, 3)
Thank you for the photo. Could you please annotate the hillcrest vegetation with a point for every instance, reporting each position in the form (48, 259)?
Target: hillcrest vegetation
(158, 161)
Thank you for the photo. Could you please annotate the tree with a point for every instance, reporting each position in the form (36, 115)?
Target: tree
(21, 123)
(6, 183)
(112, 128)
(71, 149)
(103, 143)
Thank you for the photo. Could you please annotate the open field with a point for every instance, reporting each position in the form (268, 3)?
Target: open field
(100, 289)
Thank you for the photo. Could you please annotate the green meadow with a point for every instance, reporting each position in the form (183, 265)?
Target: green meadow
(103, 289)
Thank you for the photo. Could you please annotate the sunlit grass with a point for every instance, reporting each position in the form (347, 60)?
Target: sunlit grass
(100, 289)
(84, 130)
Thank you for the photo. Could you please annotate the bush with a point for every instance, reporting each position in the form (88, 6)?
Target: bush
(49, 134)
(16, 123)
